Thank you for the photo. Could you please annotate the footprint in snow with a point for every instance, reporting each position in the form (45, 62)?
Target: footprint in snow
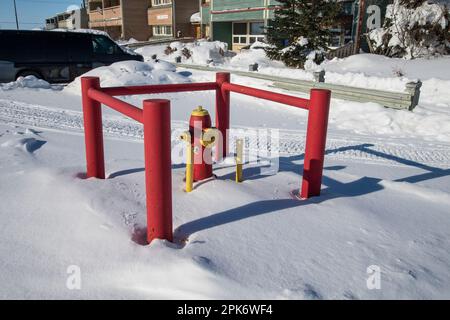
(28, 144)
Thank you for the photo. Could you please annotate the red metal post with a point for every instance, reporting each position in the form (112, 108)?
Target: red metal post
(267, 95)
(222, 114)
(116, 104)
(160, 88)
(93, 135)
(316, 136)
(158, 169)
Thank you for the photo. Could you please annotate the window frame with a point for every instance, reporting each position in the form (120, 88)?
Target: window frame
(162, 30)
(157, 3)
(246, 39)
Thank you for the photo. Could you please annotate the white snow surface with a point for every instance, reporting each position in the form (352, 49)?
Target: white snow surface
(385, 198)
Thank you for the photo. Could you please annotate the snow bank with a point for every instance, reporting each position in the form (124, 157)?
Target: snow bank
(199, 52)
(381, 66)
(125, 42)
(132, 73)
(26, 82)
(383, 73)
(429, 123)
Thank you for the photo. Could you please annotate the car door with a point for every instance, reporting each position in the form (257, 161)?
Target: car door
(57, 63)
(80, 54)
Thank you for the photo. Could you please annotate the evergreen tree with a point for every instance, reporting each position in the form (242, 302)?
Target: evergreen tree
(300, 31)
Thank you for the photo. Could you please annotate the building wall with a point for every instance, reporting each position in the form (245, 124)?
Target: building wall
(134, 15)
(181, 10)
(242, 10)
(76, 19)
(184, 9)
(108, 17)
(160, 16)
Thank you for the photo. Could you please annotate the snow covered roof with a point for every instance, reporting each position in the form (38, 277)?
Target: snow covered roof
(196, 18)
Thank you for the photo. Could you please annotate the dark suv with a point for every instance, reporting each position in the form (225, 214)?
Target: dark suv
(56, 56)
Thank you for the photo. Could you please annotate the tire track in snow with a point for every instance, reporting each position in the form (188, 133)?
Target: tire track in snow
(291, 142)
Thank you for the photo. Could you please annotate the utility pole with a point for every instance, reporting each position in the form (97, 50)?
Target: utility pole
(15, 11)
(359, 26)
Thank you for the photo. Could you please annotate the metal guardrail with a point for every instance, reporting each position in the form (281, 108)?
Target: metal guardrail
(397, 100)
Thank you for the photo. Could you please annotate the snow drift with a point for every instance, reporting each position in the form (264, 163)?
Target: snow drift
(26, 82)
(198, 52)
(128, 73)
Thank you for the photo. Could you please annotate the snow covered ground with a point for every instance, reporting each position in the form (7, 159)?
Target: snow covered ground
(385, 201)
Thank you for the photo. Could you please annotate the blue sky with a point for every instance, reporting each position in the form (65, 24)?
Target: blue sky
(31, 13)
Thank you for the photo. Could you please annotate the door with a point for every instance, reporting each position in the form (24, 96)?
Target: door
(198, 31)
(57, 64)
(80, 54)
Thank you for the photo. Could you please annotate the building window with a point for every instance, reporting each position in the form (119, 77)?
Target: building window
(256, 28)
(162, 30)
(161, 2)
(245, 33)
(240, 28)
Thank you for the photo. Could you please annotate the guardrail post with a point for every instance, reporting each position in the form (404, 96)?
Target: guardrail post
(319, 76)
(413, 88)
(222, 114)
(158, 169)
(93, 134)
(316, 136)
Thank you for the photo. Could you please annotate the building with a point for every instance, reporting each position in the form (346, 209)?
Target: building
(241, 23)
(172, 18)
(121, 19)
(238, 23)
(75, 19)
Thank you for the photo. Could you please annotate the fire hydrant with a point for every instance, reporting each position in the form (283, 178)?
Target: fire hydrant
(200, 138)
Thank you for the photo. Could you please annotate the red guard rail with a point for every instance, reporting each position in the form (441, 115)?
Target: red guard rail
(155, 116)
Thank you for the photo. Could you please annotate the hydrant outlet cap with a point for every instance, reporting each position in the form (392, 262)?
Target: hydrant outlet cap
(200, 112)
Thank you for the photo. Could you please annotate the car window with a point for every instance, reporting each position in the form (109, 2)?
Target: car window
(102, 45)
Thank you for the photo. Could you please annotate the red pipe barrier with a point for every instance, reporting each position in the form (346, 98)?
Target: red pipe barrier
(267, 95)
(316, 136)
(158, 170)
(93, 134)
(155, 116)
(222, 114)
(116, 104)
(160, 88)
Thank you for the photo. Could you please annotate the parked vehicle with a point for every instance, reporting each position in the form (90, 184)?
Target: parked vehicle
(56, 56)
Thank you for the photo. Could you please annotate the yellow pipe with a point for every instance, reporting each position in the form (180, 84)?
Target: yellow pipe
(189, 168)
(239, 153)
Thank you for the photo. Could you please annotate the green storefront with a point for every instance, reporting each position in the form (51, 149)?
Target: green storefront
(238, 23)
(241, 22)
